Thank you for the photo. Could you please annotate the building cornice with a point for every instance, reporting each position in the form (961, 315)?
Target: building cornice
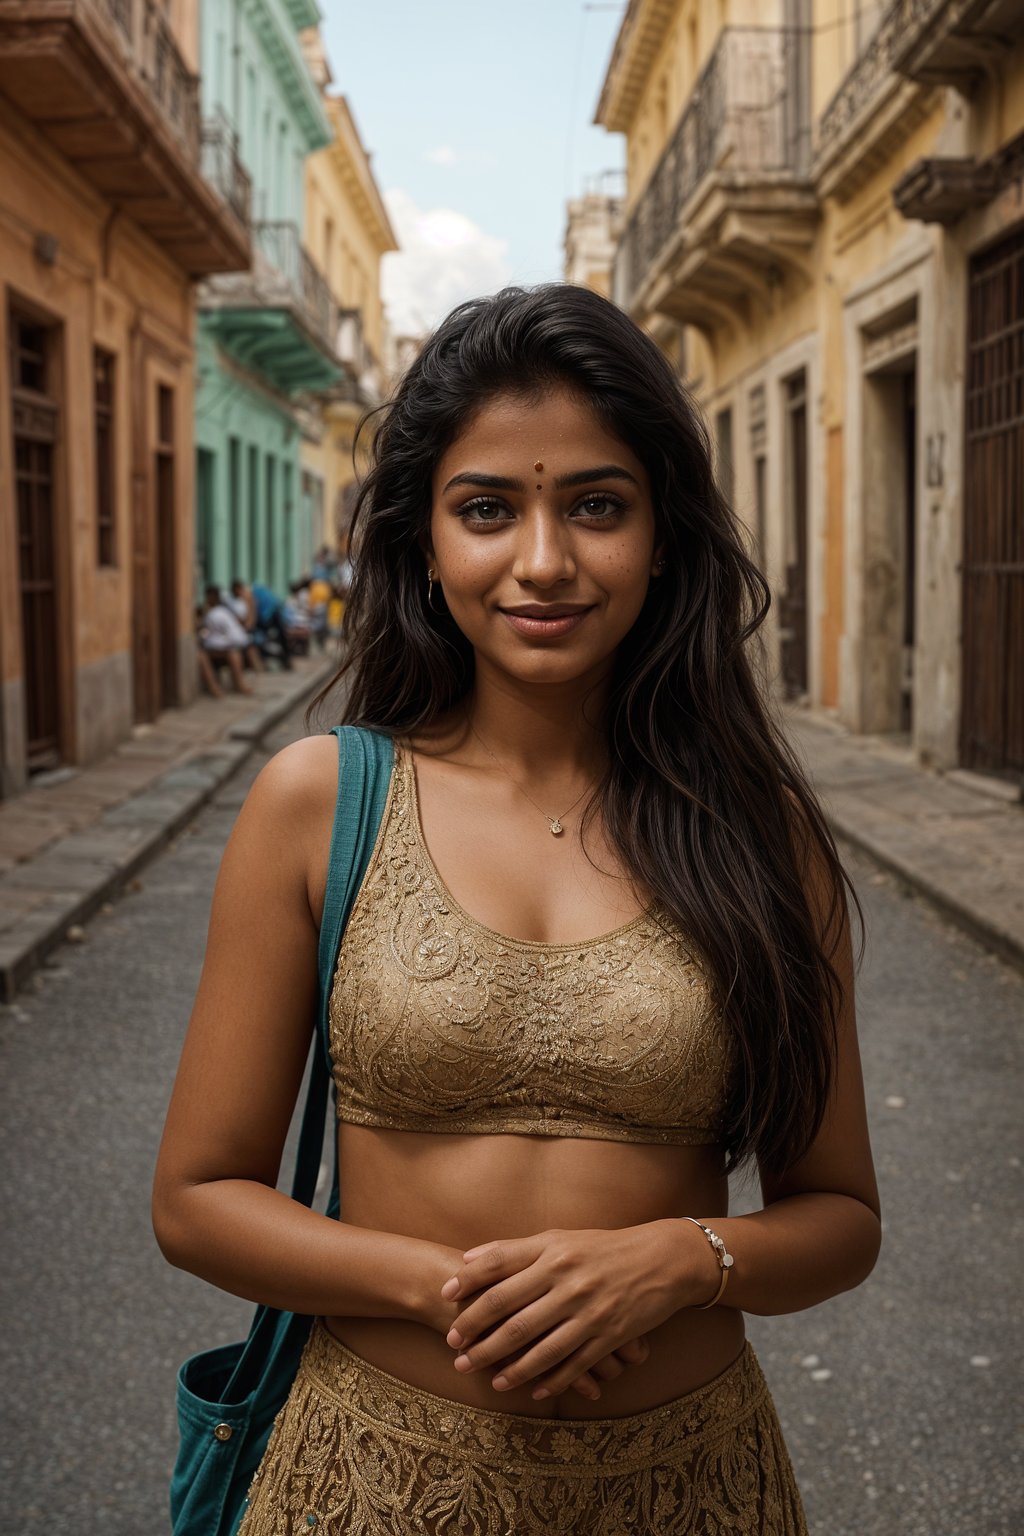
(304, 13)
(643, 30)
(273, 24)
(352, 164)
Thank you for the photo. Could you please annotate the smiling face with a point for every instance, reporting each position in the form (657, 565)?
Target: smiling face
(537, 505)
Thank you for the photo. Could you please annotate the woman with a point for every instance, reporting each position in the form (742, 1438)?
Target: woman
(549, 1050)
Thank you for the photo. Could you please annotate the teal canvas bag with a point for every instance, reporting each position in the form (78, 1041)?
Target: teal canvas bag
(228, 1398)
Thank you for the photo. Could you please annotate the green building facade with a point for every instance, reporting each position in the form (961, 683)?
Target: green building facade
(266, 337)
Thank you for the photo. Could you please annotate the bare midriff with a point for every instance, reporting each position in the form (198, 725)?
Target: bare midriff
(471, 1189)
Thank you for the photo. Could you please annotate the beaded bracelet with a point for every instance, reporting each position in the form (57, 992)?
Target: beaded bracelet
(721, 1254)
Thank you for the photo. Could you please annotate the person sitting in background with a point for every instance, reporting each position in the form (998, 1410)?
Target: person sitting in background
(223, 638)
(296, 617)
(270, 622)
(207, 671)
(243, 606)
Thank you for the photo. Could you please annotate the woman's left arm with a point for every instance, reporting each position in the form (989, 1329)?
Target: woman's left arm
(820, 1230)
(574, 1296)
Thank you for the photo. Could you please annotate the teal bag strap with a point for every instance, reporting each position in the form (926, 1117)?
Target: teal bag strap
(365, 761)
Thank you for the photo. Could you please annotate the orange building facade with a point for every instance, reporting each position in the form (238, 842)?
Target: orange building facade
(114, 199)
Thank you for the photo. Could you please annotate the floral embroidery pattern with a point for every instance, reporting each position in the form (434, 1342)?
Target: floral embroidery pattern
(440, 1024)
(356, 1452)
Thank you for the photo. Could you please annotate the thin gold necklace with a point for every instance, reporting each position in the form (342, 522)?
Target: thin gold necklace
(556, 825)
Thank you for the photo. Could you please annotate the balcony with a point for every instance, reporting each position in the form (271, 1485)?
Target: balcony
(941, 189)
(919, 44)
(104, 81)
(729, 211)
(223, 168)
(363, 383)
(951, 42)
(278, 319)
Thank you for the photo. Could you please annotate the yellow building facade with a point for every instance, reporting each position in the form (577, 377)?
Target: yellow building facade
(347, 232)
(109, 210)
(825, 233)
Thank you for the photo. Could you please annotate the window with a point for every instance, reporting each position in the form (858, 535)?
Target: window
(103, 408)
(234, 507)
(165, 417)
(29, 348)
(328, 261)
(270, 519)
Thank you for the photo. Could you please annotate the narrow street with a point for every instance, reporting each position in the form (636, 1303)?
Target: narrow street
(898, 1400)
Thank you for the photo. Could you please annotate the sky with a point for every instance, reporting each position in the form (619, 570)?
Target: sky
(478, 117)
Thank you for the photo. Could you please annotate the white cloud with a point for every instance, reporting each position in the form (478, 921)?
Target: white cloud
(442, 155)
(444, 258)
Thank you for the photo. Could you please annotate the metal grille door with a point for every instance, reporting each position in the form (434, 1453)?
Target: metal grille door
(992, 717)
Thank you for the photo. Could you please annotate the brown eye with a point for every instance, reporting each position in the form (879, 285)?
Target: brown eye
(601, 505)
(480, 504)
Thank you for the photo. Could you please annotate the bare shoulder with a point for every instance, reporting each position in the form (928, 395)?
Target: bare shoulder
(290, 808)
(302, 775)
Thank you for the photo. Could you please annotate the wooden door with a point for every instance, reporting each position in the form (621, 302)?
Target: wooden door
(145, 656)
(909, 552)
(793, 598)
(35, 418)
(992, 635)
(164, 494)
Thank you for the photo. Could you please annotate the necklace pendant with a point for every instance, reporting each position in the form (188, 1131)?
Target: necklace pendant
(556, 827)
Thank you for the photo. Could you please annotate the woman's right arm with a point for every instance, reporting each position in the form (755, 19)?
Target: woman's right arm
(216, 1210)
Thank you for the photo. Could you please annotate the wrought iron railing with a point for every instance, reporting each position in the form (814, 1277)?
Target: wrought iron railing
(222, 167)
(152, 54)
(363, 382)
(281, 248)
(864, 82)
(887, 56)
(748, 114)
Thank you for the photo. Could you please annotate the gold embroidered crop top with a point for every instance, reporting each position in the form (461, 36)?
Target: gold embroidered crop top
(437, 1023)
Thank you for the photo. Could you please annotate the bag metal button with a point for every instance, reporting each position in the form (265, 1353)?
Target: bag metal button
(223, 1431)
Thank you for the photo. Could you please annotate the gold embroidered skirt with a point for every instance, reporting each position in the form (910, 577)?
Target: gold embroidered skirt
(358, 1452)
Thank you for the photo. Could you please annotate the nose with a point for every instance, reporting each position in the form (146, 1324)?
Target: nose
(543, 554)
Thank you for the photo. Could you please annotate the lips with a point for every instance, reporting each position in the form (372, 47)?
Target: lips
(546, 628)
(555, 611)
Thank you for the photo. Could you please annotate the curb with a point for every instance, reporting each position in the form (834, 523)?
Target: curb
(85, 869)
(1004, 944)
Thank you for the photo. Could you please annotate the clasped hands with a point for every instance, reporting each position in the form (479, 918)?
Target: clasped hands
(568, 1308)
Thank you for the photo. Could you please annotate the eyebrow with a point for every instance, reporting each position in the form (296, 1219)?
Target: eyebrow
(562, 483)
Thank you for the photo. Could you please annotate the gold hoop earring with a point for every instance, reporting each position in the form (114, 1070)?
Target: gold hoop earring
(430, 588)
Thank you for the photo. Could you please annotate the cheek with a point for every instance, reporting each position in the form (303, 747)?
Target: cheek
(624, 573)
(469, 569)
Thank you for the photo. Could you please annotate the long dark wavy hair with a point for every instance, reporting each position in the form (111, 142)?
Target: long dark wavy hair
(702, 797)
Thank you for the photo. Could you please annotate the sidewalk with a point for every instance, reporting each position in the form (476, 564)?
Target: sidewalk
(953, 837)
(80, 834)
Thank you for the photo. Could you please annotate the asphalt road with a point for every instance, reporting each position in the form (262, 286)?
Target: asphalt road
(900, 1401)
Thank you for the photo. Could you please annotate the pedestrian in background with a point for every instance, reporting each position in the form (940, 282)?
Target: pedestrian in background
(243, 605)
(270, 622)
(530, 1319)
(319, 595)
(223, 640)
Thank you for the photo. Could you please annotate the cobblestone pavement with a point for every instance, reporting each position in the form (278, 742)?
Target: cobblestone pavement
(898, 1399)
